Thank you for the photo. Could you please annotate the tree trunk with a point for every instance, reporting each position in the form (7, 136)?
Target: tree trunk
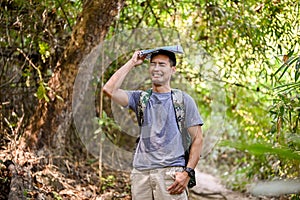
(52, 121)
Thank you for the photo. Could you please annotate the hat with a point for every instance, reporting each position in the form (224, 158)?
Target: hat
(174, 49)
(166, 50)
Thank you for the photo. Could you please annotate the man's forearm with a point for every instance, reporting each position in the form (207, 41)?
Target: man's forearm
(195, 153)
(112, 87)
(115, 82)
(196, 147)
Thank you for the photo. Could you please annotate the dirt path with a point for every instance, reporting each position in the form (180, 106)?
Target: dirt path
(209, 187)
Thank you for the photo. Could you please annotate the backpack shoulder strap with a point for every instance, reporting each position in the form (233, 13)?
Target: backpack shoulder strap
(178, 103)
(143, 101)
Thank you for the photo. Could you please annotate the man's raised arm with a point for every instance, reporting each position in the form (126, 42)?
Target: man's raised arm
(112, 86)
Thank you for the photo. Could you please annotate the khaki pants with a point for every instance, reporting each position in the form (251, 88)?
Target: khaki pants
(153, 184)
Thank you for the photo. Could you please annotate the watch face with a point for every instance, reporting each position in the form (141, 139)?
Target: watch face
(190, 171)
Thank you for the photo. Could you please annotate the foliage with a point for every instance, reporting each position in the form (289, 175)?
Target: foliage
(33, 38)
(277, 151)
(260, 149)
(108, 182)
(254, 46)
(107, 126)
(56, 196)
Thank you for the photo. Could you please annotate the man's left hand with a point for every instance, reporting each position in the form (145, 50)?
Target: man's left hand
(180, 183)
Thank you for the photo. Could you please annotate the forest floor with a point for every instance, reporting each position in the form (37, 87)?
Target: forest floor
(210, 187)
(47, 177)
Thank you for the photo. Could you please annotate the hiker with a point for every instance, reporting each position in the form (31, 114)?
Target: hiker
(161, 167)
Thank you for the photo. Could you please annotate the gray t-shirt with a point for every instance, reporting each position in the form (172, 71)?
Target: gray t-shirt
(160, 143)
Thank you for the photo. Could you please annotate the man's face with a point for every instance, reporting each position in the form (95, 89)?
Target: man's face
(161, 70)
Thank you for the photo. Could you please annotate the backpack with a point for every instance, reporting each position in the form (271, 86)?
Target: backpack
(178, 104)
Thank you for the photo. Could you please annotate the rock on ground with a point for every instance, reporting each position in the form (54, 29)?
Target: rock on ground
(209, 187)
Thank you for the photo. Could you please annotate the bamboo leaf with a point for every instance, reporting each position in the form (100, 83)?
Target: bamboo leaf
(287, 85)
(285, 66)
(297, 73)
(264, 148)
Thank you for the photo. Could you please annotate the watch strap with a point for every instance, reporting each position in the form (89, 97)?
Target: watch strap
(190, 171)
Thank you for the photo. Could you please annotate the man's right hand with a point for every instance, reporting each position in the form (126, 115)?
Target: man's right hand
(137, 59)
(112, 87)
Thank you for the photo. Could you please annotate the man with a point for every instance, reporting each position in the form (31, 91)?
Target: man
(159, 167)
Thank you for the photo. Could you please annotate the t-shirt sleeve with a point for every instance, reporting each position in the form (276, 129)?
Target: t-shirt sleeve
(192, 115)
(133, 99)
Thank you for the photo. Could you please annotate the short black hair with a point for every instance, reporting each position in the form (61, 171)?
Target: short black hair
(171, 55)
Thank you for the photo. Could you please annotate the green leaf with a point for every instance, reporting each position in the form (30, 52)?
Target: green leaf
(41, 91)
(297, 73)
(285, 66)
(264, 148)
(287, 87)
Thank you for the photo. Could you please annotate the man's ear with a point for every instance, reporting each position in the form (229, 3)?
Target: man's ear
(173, 70)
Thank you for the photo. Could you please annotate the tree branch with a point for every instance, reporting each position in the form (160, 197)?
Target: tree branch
(66, 17)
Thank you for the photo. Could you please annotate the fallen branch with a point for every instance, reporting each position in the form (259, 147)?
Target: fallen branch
(208, 194)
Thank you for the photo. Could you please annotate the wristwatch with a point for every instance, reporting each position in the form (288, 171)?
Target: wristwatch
(190, 171)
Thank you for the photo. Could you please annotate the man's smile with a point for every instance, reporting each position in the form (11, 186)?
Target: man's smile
(157, 75)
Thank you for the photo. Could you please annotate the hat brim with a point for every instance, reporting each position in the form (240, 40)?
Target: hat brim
(175, 49)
